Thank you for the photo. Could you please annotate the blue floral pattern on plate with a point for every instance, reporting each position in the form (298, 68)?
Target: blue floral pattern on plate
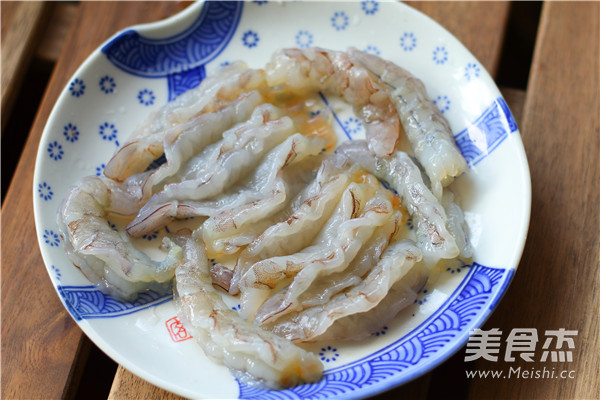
(371, 49)
(443, 103)
(352, 125)
(472, 71)
(55, 151)
(146, 97)
(250, 39)
(51, 238)
(329, 354)
(107, 84)
(45, 191)
(339, 21)
(369, 7)
(440, 55)
(108, 132)
(408, 41)
(304, 39)
(71, 132)
(77, 87)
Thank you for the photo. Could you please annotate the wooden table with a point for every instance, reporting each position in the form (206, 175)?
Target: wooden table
(556, 104)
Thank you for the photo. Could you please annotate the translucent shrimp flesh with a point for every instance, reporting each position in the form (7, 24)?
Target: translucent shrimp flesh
(104, 255)
(262, 278)
(404, 176)
(147, 142)
(350, 237)
(226, 338)
(309, 212)
(383, 95)
(395, 263)
(315, 69)
(184, 141)
(427, 130)
(323, 289)
(314, 242)
(269, 188)
(219, 166)
(358, 326)
(275, 181)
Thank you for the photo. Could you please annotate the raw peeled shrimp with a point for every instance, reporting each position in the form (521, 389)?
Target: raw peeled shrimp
(456, 224)
(323, 289)
(404, 176)
(147, 142)
(315, 69)
(396, 263)
(105, 255)
(360, 325)
(427, 130)
(350, 237)
(219, 166)
(309, 212)
(184, 141)
(266, 183)
(262, 278)
(383, 95)
(287, 164)
(227, 338)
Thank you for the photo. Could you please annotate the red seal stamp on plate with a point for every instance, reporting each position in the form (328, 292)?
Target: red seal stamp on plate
(177, 330)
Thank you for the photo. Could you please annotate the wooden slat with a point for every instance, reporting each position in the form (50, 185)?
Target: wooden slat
(557, 284)
(22, 23)
(55, 35)
(39, 339)
(127, 386)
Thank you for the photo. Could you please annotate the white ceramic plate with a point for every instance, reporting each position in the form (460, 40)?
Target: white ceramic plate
(139, 69)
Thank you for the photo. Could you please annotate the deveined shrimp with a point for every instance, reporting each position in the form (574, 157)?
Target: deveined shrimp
(427, 130)
(273, 184)
(309, 212)
(262, 279)
(147, 143)
(396, 263)
(215, 169)
(224, 336)
(323, 289)
(315, 69)
(105, 255)
(184, 141)
(383, 95)
(350, 238)
(404, 176)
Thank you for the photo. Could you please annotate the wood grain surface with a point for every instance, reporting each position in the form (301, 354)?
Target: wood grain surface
(62, 17)
(22, 24)
(557, 284)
